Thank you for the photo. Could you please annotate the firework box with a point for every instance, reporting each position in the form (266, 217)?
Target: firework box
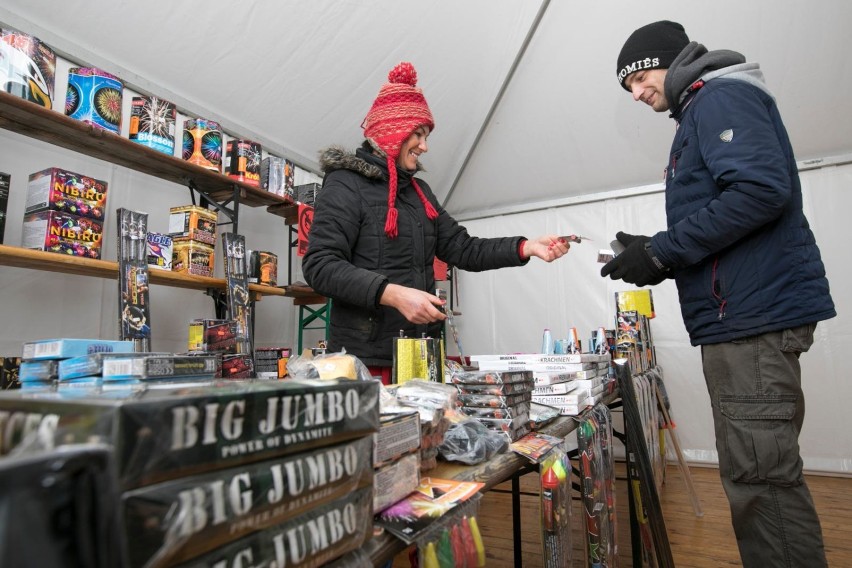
(484, 361)
(514, 428)
(555, 389)
(194, 223)
(192, 257)
(159, 251)
(552, 378)
(152, 123)
(29, 67)
(42, 370)
(507, 389)
(10, 373)
(202, 143)
(277, 175)
(159, 367)
(398, 435)
(134, 305)
(63, 233)
(164, 433)
(395, 480)
(213, 336)
(237, 366)
(263, 268)
(239, 301)
(55, 189)
(174, 521)
(66, 348)
(94, 97)
(307, 541)
(502, 413)
(91, 365)
(243, 162)
(490, 377)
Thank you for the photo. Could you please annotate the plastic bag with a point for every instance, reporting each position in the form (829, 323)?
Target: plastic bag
(470, 442)
(327, 366)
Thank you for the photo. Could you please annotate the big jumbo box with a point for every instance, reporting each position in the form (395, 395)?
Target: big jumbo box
(54, 231)
(181, 519)
(162, 434)
(61, 190)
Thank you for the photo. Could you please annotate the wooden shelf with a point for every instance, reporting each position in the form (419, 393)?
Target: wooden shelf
(53, 127)
(66, 264)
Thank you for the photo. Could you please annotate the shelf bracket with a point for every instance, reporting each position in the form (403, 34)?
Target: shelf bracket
(232, 213)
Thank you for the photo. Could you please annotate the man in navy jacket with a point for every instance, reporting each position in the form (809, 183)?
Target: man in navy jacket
(750, 279)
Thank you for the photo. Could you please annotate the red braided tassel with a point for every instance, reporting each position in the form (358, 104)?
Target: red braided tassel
(391, 221)
(431, 213)
(390, 225)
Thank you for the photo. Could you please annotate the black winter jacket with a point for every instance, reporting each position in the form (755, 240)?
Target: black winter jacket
(351, 260)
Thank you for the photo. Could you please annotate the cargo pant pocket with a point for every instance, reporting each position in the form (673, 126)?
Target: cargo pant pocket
(761, 439)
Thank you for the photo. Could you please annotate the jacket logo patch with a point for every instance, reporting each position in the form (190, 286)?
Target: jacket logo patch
(727, 135)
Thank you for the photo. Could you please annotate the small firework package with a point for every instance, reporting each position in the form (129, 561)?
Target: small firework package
(213, 336)
(94, 97)
(63, 233)
(398, 435)
(10, 368)
(394, 481)
(415, 358)
(276, 176)
(60, 190)
(167, 433)
(202, 143)
(268, 362)
(493, 401)
(134, 306)
(193, 222)
(237, 366)
(510, 388)
(152, 123)
(243, 161)
(28, 67)
(181, 519)
(192, 257)
(159, 251)
(502, 413)
(491, 377)
(263, 268)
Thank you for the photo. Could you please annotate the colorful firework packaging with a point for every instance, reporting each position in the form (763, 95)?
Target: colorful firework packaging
(202, 143)
(239, 301)
(277, 175)
(63, 233)
(94, 97)
(61, 190)
(556, 509)
(263, 268)
(159, 251)
(134, 309)
(193, 222)
(243, 163)
(27, 67)
(152, 123)
(192, 257)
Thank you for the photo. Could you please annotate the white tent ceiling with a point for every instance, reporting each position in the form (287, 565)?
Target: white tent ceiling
(526, 104)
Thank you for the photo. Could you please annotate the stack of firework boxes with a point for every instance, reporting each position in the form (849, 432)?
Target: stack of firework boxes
(499, 399)
(64, 213)
(570, 382)
(193, 232)
(243, 473)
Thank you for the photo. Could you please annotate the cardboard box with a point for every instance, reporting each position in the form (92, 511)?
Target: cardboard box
(160, 251)
(55, 189)
(192, 257)
(54, 231)
(194, 223)
(398, 435)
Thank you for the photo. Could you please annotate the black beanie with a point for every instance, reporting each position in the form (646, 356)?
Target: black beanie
(654, 46)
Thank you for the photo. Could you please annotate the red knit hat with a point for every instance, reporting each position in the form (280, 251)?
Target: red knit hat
(398, 110)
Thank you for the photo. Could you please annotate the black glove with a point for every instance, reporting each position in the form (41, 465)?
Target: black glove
(636, 264)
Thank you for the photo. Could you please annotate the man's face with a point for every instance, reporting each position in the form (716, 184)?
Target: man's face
(647, 86)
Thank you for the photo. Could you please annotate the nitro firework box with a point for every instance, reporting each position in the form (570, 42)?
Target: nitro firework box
(194, 223)
(159, 251)
(175, 521)
(66, 348)
(152, 123)
(309, 540)
(60, 190)
(53, 231)
(5, 181)
(243, 161)
(94, 97)
(192, 257)
(166, 433)
(28, 66)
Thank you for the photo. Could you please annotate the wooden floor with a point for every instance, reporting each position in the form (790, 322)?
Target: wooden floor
(696, 542)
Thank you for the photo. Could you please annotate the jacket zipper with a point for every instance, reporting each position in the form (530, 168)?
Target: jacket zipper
(717, 290)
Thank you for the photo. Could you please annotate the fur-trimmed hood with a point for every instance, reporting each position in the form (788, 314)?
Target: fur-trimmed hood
(339, 158)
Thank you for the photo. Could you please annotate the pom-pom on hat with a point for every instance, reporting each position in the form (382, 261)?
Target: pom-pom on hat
(654, 46)
(399, 109)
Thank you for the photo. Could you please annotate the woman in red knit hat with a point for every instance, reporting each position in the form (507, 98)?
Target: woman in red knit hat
(377, 231)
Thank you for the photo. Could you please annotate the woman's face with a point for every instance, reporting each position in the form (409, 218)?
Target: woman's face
(411, 149)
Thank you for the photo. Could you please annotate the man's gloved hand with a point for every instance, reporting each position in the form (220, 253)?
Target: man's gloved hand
(636, 264)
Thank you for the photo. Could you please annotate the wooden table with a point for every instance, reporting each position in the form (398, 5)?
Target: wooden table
(498, 469)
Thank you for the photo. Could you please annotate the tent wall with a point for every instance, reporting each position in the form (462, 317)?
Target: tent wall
(506, 310)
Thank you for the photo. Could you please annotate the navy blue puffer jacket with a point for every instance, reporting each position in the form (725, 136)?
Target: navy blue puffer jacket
(742, 252)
